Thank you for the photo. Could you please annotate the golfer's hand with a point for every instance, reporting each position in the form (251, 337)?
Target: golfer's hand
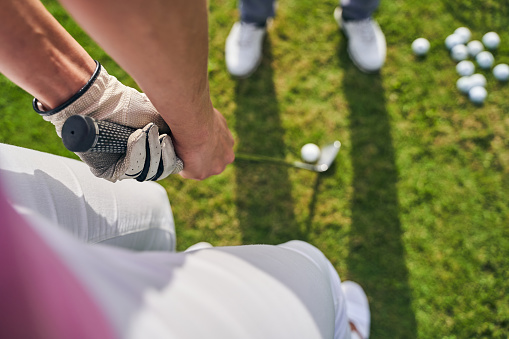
(150, 153)
(149, 156)
(206, 151)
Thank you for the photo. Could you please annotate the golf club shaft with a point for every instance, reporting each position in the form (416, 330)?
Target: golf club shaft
(85, 134)
(277, 161)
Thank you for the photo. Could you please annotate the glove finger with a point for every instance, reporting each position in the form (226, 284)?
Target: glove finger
(132, 164)
(153, 153)
(170, 163)
(143, 154)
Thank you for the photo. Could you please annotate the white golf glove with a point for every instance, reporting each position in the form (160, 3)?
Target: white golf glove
(150, 154)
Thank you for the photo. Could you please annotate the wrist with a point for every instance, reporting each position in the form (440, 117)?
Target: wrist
(197, 125)
(41, 109)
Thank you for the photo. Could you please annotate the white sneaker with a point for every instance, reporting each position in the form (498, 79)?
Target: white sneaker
(357, 308)
(366, 42)
(244, 49)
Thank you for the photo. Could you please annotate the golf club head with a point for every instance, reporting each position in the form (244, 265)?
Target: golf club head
(327, 156)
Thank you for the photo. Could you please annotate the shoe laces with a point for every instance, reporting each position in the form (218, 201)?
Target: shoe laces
(246, 33)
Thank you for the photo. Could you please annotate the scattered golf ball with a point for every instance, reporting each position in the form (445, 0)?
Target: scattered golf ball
(452, 40)
(420, 46)
(477, 80)
(464, 84)
(310, 153)
(475, 47)
(465, 68)
(485, 59)
(477, 94)
(464, 33)
(459, 52)
(501, 72)
(491, 40)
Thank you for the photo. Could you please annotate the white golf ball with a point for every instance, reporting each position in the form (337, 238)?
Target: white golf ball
(452, 40)
(464, 33)
(459, 52)
(420, 46)
(465, 68)
(475, 47)
(310, 153)
(464, 84)
(491, 40)
(477, 94)
(501, 72)
(485, 59)
(477, 80)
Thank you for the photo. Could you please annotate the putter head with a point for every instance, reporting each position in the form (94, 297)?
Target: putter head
(327, 156)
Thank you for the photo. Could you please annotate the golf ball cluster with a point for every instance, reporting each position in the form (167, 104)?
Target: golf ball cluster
(310, 153)
(462, 47)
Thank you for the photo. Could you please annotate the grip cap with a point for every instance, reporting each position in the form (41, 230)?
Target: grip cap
(79, 133)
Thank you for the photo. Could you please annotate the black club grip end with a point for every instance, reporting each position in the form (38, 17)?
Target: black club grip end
(79, 133)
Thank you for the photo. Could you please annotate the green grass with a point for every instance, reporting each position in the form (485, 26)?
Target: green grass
(416, 207)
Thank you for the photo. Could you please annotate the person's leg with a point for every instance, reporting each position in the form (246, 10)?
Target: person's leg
(243, 50)
(255, 291)
(342, 326)
(366, 41)
(358, 9)
(256, 11)
(127, 214)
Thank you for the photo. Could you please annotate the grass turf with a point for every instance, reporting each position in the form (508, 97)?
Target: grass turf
(415, 208)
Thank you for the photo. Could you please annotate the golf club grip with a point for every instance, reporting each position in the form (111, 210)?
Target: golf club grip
(85, 134)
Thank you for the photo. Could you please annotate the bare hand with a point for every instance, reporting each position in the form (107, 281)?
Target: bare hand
(208, 151)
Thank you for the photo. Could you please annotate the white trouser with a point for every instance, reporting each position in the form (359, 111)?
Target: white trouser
(128, 214)
(257, 291)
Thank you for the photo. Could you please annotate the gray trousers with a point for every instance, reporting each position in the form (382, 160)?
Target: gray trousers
(258, 11)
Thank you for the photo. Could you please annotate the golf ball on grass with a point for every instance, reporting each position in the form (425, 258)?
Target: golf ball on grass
(464, 84)
(310, 153)
(501, 72)
(475, 47)
(485, 59)
(477, 94)
(464, 33)
(477, 80)
(452, 40)
(491, 40)
(465, 68)
(420, 46)
(459, 52)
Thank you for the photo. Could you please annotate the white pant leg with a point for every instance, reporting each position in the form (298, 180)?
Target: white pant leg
(126, 214)
(249, 292)
(342, 326)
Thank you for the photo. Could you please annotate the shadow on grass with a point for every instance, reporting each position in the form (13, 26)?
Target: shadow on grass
(263, 194)
(376, 255)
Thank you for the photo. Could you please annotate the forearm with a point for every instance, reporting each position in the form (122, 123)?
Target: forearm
(39, 55)
(163, 45)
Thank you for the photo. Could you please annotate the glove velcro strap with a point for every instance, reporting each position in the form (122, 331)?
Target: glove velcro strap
(73, 98)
